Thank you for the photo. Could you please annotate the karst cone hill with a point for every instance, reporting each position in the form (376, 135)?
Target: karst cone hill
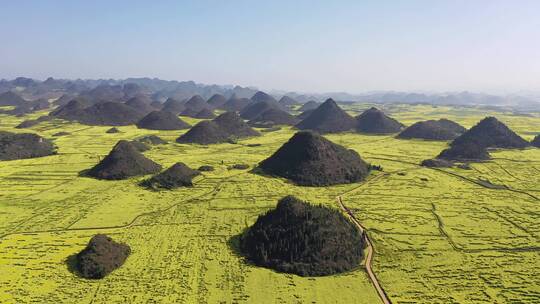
(257, 108)
(101, 256)
(188, 113)
(473, 144)
(157, 105)
(300, 238)
(32, 122)
(437, 163)
(205, 168)
(536, 141)
(328, 118)
(141, 104)
(261, 96)
(235, 104)
(102, 113)
(112, 130)
(139, 145)
(66, 98)
(24, 145)
(442, 129)
(40, 104)
(310, 105)
(174, 106)
(234, 125)
(162, 120)
(288, 101)
(63, 100)
(204, 133)
(196, 104)
(27, 124)
(308, 159)
(123, 161)
(305, 114)
(11, 99)
(178, 175)
(491, 133)
(222, 128)
(374, 121)
(468, 151)
(28, 107)
(205, 114)
(274, 117)
(217, 100)
(71, 109)
(152, 140)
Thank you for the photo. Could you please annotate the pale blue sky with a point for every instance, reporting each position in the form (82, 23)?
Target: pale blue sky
(309, 46)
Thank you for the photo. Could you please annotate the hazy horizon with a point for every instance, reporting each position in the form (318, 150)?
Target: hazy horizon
(306, 46)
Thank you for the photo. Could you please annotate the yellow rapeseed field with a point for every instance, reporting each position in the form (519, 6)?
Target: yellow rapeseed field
(440, 235)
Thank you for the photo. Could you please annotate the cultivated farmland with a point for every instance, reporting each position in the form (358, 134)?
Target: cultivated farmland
(439, 235)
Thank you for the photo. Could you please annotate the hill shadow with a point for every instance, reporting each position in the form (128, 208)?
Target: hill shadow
(71, 264)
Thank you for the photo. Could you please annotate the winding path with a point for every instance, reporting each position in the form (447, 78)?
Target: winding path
(369, 256)
(370, 251)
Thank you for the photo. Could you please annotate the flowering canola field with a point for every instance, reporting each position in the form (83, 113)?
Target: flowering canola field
(440, 235)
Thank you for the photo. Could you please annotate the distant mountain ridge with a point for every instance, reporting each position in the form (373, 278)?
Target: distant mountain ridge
(160, 90)
(127, 88)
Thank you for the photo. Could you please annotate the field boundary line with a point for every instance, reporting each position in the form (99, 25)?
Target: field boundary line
(129, 224)
(443, 232)
(467, 179)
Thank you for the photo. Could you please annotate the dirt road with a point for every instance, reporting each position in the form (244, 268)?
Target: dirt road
(369, 255)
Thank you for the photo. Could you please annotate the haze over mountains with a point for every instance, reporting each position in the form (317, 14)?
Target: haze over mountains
(160, 90)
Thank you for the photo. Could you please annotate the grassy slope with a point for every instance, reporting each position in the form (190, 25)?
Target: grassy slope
(438, 237)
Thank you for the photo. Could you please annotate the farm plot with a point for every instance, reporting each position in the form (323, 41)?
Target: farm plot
(439, 236)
